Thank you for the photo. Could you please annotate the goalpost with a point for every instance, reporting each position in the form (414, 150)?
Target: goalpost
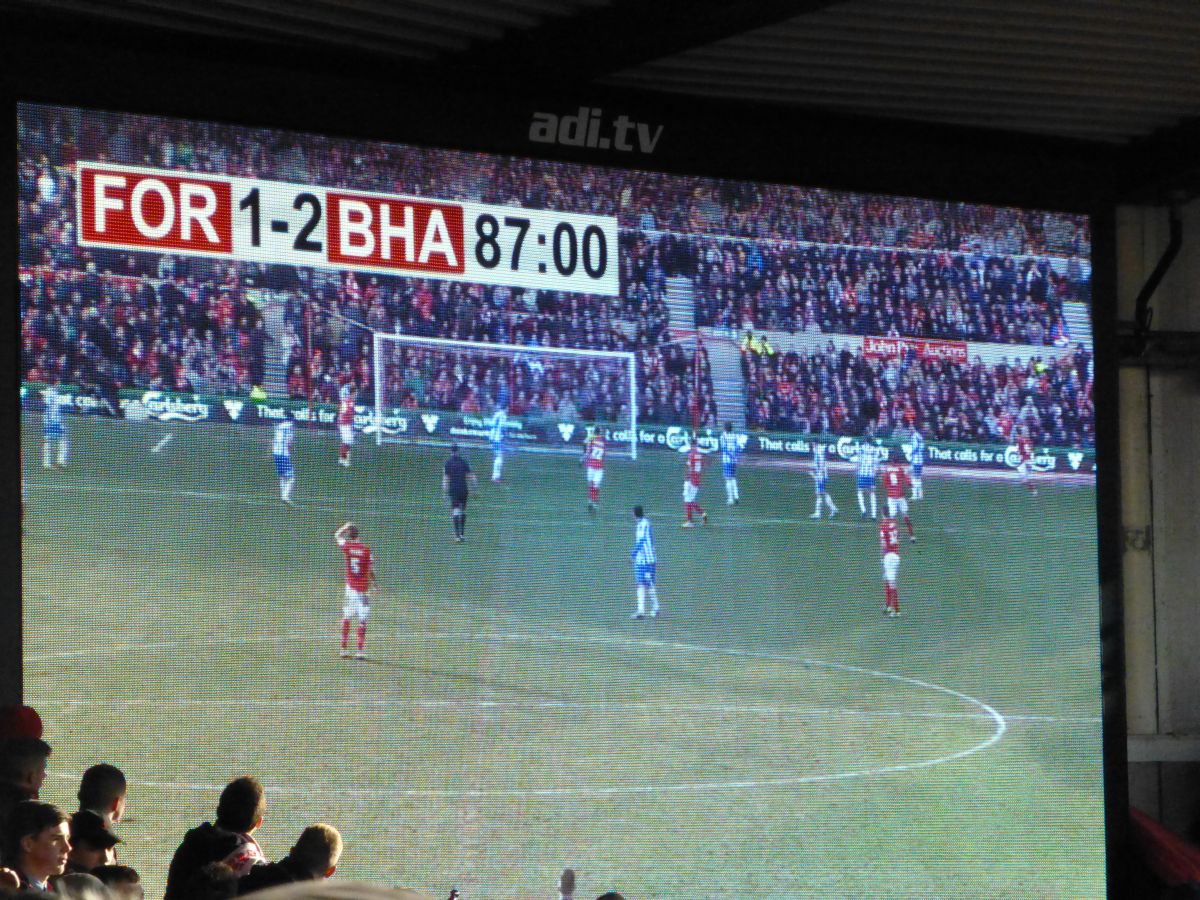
(396, 356)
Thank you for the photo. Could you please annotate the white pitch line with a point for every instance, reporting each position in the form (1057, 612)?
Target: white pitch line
(694, 788)
(324, 504)
(384, 507)
(813, 712)
(427, 637)
(166, 440)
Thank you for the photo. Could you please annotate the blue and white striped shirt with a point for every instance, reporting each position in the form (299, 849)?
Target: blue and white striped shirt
(643, 544)
(728, 442)
(284, 433)
(820, 464)
(55, 403)
(496, 427)
(869, 456)
(918, 449)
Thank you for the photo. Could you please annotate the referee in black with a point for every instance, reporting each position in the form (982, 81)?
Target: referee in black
(454, 485)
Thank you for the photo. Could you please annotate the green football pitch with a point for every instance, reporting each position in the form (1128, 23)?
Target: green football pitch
(772, 734)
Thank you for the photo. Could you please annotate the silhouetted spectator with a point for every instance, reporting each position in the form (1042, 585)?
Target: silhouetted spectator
(228, 840)
(103, 790)
(123, 881)
(81, 886)
(92, 842)
(215, 881)
(314, 857)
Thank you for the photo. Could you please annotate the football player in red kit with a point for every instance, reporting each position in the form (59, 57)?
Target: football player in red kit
(1025, 460)
(360, 575)
(691, 486)
(896, 482)
(889, 546)
(593, 461)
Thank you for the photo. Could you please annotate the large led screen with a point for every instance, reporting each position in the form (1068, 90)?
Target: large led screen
(773, 573)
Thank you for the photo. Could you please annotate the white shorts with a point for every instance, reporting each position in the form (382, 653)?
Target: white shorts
(347, 434)
(897, 506)
(1023, 469)
(358, 605)
(689, 492)
(891, 567)
(595, 476)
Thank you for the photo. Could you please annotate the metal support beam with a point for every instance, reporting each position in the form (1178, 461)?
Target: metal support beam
(1158, 349)
(1175, 748)
(1142, 313)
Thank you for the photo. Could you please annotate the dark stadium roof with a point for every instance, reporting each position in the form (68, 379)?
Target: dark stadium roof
(1120, 74)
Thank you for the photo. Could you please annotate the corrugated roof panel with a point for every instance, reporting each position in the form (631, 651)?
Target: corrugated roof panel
(1099, 69)
(405, 29)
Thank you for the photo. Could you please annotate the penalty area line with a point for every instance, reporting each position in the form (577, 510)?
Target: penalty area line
(167, 438)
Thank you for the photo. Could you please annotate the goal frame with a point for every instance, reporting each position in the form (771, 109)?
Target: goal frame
(380, 338)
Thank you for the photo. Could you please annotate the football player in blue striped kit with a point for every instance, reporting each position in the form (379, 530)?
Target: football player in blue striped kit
(54, 426)
(917, 461)
(820, 474)
(869, 457)
(730, 448)
(285, 434)
(644, 564)
(496, 435)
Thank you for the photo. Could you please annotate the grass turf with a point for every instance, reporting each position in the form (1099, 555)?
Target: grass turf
(772, 733)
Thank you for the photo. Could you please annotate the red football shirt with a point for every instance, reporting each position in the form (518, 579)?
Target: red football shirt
(594, 452)
(695, 465)
(895, 480)
(358, 565)
(889, 537)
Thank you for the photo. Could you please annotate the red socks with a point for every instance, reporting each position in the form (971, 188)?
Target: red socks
(891, 597)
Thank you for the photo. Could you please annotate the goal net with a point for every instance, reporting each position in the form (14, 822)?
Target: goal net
(547, 393)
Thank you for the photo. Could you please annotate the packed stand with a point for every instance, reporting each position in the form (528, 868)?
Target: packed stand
(884, 266)
(967, 296)
(825, 393)
(188, 324)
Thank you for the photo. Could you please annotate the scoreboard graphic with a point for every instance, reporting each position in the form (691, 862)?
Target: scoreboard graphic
(272, 222)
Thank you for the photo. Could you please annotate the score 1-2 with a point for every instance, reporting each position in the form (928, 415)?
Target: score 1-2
(304, 242)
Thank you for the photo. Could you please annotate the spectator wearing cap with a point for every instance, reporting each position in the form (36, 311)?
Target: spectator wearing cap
(315, 857)
(229, 840)
(38, 843)
(18, 720)
(92, 842)
(103, 790)
(123, 882)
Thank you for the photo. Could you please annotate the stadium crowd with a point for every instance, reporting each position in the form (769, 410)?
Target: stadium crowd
(46, 853)
(52, 138)
(765, 256)
(824, 393)
(117, 331)
(897, 293)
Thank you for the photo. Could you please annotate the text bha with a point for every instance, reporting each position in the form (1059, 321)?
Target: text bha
(385, 232)
(156, 211)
